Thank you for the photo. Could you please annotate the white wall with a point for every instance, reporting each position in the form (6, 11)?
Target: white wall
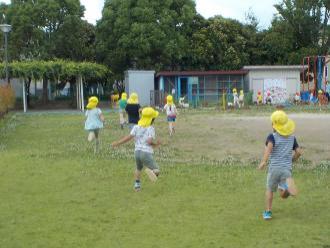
(140, 82)
(256, 79)
(16, 85)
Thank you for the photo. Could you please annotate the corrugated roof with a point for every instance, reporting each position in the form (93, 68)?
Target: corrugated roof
(200, 73)
(272, 67)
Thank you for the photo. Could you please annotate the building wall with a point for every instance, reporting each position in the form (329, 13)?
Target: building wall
(256, 79)
(141, 82)
(16, 85)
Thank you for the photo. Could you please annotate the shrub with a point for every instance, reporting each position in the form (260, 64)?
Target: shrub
(7, 98)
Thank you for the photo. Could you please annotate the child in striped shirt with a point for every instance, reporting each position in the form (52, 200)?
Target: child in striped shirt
(281, 149)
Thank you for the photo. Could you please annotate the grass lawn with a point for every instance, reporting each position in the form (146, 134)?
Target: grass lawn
(56, 193)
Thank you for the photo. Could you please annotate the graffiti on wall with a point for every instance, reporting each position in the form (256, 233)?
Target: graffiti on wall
(276, 87)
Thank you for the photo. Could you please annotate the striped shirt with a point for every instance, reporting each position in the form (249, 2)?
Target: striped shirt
(281, 155)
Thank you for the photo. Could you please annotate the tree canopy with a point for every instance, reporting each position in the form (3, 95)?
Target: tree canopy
(56, 70)
(164, 35)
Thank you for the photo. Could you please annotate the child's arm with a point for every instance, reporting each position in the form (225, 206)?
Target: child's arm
(122, 141)
(153, 143)
(297, 154)
(268, 150)
(102, 117)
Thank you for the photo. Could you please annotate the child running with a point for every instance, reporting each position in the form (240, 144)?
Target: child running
(236, 100)
(144, 136)
(122, 112)
(133, 110)
(279, 147)
(94, 121)
(171, 113)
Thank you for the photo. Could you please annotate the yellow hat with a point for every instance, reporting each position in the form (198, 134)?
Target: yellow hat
(123, 96)
(147, 115)
(169, 99)
(282, 124)
(92, 102)
(241, 92)
(234, 90)
(133, 98)
(320, 91)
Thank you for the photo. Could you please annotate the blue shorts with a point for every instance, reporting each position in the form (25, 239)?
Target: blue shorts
(171, 119)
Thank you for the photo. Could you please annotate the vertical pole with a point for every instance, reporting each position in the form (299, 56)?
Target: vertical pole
(77, 94)
(308, 78)
(82, 94)
(303, 74)
(315, 76)
(6, 57)
(24, 97)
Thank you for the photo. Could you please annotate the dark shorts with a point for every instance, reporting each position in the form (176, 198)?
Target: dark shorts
(171, 119)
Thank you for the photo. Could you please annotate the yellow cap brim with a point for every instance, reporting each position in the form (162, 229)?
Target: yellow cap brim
(287, 129)
(146, 121)
(91, 105)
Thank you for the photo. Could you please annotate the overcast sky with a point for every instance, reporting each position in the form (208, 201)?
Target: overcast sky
(236, 9)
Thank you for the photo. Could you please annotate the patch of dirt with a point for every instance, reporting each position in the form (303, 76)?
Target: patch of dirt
(218, 137)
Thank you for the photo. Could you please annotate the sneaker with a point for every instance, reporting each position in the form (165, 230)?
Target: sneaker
(152, 176)
(267, 215)
(137, 186)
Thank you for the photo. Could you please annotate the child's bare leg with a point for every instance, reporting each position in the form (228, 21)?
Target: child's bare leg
(137, 175)
(170, 127)
(269, 200)
(291, 186)
(97, 143)
(284, 193)
(121, 120)
(91, 136)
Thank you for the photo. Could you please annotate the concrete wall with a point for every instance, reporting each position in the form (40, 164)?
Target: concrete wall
(258, 74)
(16, 85)
(141, 82)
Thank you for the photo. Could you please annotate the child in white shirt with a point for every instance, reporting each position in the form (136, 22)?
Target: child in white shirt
(144, 136)
(171, 113)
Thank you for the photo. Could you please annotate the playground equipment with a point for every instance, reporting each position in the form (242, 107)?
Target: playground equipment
(316, 78)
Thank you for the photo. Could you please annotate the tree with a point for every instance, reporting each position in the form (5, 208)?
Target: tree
(220, 45)
(302, 27)
(57, 70)
(148, 34)
(75, 40)
(36, 25)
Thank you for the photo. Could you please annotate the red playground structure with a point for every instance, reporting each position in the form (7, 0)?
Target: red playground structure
(315, 73)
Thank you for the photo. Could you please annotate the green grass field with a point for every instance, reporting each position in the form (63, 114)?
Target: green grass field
(56, 193)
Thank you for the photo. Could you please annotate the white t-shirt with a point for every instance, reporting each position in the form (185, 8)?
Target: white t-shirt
(170, 110)
(141, 136)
